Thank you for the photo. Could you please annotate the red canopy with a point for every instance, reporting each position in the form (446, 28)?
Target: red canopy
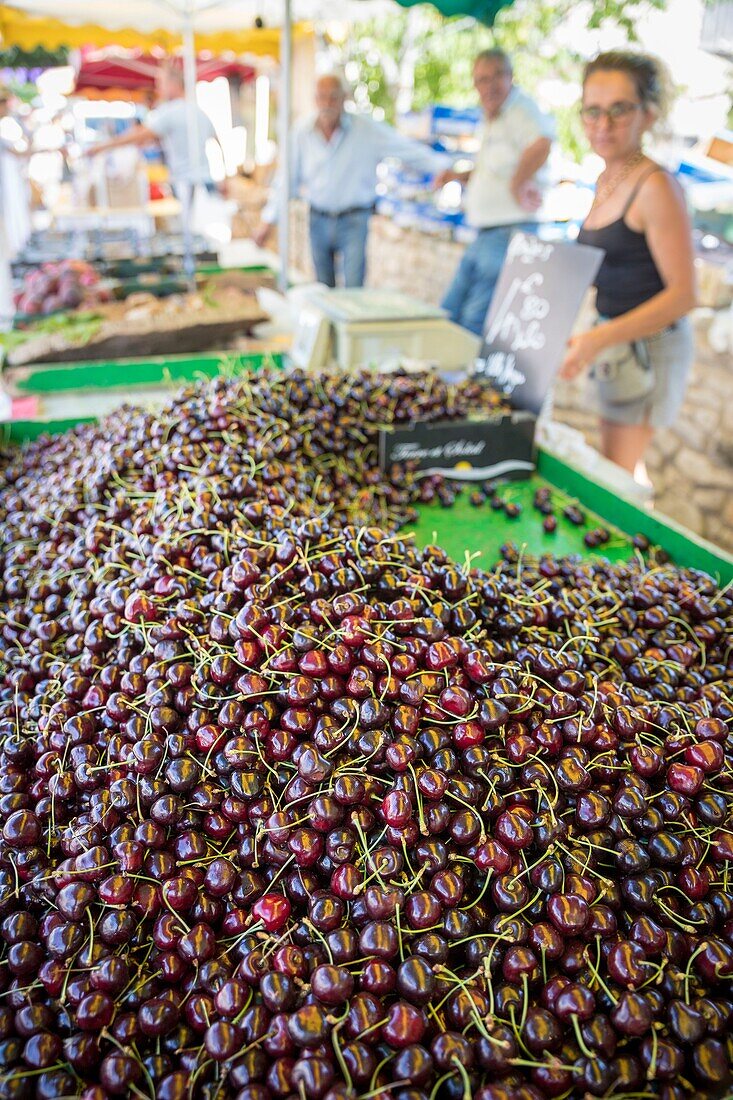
(129, 74)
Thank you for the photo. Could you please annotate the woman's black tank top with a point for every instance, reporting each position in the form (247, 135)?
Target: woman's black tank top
(628, 275)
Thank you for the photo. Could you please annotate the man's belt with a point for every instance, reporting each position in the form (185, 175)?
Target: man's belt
(342, 213)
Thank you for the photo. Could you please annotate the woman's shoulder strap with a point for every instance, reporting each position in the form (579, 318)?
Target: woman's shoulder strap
(640, 183)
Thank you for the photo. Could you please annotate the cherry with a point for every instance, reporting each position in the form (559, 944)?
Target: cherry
(712, 1066)
(422, 910)
(513, 830)
(416, 980)
(714, 960)
(111, 975)
(157, 1016)
(707, 755)
(378, 977)
(520, 962)
(686, 1022)
(632, 1014)
(685, 778)
(625, 963)
(119, 1071)
(95, 1011)
(661, 1059)
(278, 991)
(314, 1075)
(492, 854)
(600, 1034)
(593, 810)
(404, 1027)
(574, 1000)
(646, 760)
(414, 1064)
(568, 912)
(272, 910)
(139, 607)
(379, 938)
(198, 945)
(332, 985)
(648, 934)
(448, 887)
(307, 1026)
(541, 1031)
(509, 893)
(22, 829)
(222, 1040)
(545, 940)
(382, 902)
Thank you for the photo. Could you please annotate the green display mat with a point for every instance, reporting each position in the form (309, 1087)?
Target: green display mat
(163, 287)
(480, 531)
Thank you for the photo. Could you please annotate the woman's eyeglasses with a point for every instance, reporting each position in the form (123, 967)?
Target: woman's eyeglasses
(617, 112)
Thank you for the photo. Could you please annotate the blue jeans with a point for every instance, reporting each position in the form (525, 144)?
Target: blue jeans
(468, 297)
(340, 240)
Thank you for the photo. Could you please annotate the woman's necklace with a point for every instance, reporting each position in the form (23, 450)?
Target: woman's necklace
(606, 190)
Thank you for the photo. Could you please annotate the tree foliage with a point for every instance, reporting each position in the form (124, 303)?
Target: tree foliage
(438, 53)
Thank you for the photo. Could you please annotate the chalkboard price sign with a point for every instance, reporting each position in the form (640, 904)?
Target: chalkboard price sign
(537, 298)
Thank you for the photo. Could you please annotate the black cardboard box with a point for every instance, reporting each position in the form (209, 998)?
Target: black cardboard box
(465, 450)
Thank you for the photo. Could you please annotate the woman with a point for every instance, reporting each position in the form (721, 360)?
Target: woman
(642, 348)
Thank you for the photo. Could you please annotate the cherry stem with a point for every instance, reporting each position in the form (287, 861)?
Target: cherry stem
(579, 1038)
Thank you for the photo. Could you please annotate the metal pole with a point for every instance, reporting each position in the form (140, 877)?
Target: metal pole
(189, 186)
(286, 92)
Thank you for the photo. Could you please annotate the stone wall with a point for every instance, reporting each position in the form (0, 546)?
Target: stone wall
(690, 464)
(410, 261)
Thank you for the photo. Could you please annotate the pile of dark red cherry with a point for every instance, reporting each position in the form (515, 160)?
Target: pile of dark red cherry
(291, 809)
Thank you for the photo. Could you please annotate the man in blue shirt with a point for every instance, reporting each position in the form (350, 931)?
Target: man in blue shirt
(334, 159)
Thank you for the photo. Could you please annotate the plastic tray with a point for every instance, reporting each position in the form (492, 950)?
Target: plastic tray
(479, 532)
(461, 529)
(45, 379)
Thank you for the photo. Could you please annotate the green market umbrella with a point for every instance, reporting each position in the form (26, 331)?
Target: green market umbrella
(483, 10)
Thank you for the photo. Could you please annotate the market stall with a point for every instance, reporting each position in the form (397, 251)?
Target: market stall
(72, 310)
(354, 743)
(450, 800)
(215, 26)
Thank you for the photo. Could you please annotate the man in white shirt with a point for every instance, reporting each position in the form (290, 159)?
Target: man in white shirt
(167, 125)
(334, 159)
(504, 190)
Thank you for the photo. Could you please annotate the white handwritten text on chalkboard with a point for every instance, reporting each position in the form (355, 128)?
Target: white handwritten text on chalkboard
(518, 320)
(531, 315)
(529, 250)
(501, 368)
